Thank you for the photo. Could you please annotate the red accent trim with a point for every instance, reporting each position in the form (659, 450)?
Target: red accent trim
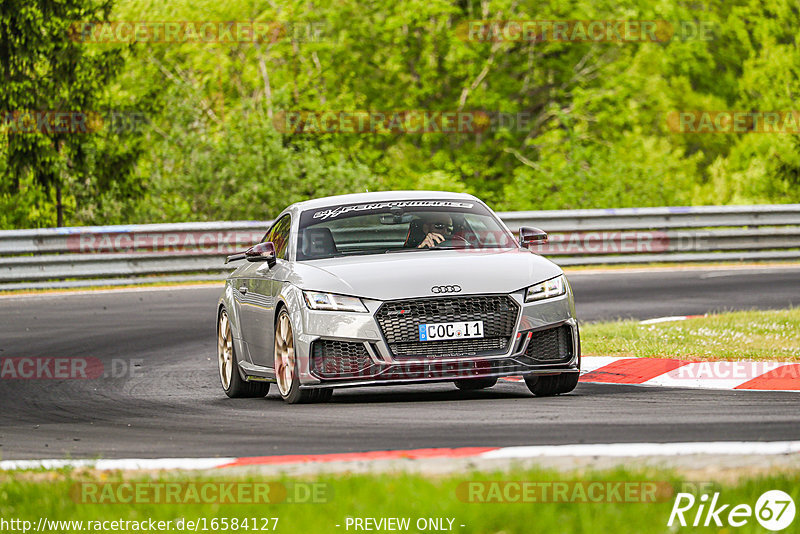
(413, 454)
(632, 370)
(784, 377)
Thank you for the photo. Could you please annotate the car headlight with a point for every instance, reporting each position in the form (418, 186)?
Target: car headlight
(555, 287)
(332, 302)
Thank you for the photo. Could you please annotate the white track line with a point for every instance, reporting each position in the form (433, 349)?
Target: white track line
(649, 449)
(665, 319)
(123, 463)
(611, 450)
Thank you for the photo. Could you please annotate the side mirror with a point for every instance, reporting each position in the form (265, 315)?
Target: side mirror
(528, 235)
(260, 252)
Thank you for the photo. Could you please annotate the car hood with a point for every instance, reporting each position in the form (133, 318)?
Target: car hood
(413, 274)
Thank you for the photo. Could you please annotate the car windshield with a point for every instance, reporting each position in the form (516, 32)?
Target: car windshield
(399, 226)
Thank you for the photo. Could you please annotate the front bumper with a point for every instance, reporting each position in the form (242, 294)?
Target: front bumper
(355, 343)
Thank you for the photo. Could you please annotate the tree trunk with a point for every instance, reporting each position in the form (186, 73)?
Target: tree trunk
(59, 206)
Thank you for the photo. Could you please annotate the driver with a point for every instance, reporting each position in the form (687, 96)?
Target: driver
(437, 227)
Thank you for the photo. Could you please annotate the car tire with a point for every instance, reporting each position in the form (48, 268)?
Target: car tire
(230, 378)
(474, 384)
(549, 385)
(286, 366)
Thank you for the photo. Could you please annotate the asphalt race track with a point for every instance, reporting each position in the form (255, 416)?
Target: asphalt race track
(172, 405)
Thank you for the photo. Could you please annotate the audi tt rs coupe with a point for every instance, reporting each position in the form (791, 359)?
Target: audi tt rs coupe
(393, 288)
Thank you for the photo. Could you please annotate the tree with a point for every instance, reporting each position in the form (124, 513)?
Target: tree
(46, 71)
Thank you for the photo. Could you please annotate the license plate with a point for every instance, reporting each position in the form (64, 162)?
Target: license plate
(459, 330)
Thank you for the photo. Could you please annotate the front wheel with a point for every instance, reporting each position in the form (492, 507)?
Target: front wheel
(286, 368)
(231, 379)
(549, 385)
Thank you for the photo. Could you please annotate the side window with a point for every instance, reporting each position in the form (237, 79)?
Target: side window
(279, 235)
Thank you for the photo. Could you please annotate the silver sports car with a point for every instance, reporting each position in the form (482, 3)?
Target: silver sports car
(394, 288)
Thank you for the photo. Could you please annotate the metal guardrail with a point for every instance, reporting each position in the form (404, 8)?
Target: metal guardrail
(656, 218)
(78, 256)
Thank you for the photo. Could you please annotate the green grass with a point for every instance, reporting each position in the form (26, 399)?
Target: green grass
(748, 335)
(32, 495)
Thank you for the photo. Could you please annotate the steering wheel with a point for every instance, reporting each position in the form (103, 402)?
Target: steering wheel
(455, 240)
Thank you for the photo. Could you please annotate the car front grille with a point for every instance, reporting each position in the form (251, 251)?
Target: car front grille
(461, 347)
(336, 359)
(551, 346)
(399, 321)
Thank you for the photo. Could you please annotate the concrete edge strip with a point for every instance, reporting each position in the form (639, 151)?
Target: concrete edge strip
(615, 450)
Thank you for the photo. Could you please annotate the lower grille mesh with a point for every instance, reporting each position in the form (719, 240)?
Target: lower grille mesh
(332, 359)
(551, 346)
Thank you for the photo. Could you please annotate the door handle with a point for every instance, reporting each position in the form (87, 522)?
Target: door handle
(243, 290)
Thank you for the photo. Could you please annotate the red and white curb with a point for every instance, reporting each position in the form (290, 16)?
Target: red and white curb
(616, 450)
(738, 375)
(666, 372)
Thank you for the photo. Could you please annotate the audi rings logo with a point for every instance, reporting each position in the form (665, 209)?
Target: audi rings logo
(446, 289)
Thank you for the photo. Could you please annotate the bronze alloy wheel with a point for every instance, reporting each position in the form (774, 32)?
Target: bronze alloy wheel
(229, 376)
(286, 373)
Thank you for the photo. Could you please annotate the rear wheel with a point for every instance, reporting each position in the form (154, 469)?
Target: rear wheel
(549, 385)
(473, 384)
(231, 379)
(286, 366)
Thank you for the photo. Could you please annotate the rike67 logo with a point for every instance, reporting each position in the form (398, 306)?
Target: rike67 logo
(774, 510)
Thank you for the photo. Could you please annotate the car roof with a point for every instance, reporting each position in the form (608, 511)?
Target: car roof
(377, 196)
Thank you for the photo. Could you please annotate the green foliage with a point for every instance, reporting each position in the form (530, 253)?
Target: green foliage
(646, 171)
(245, 171)
(586, 121)
(45, 70)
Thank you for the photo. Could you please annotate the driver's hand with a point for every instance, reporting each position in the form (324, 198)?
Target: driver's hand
(431, 240)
